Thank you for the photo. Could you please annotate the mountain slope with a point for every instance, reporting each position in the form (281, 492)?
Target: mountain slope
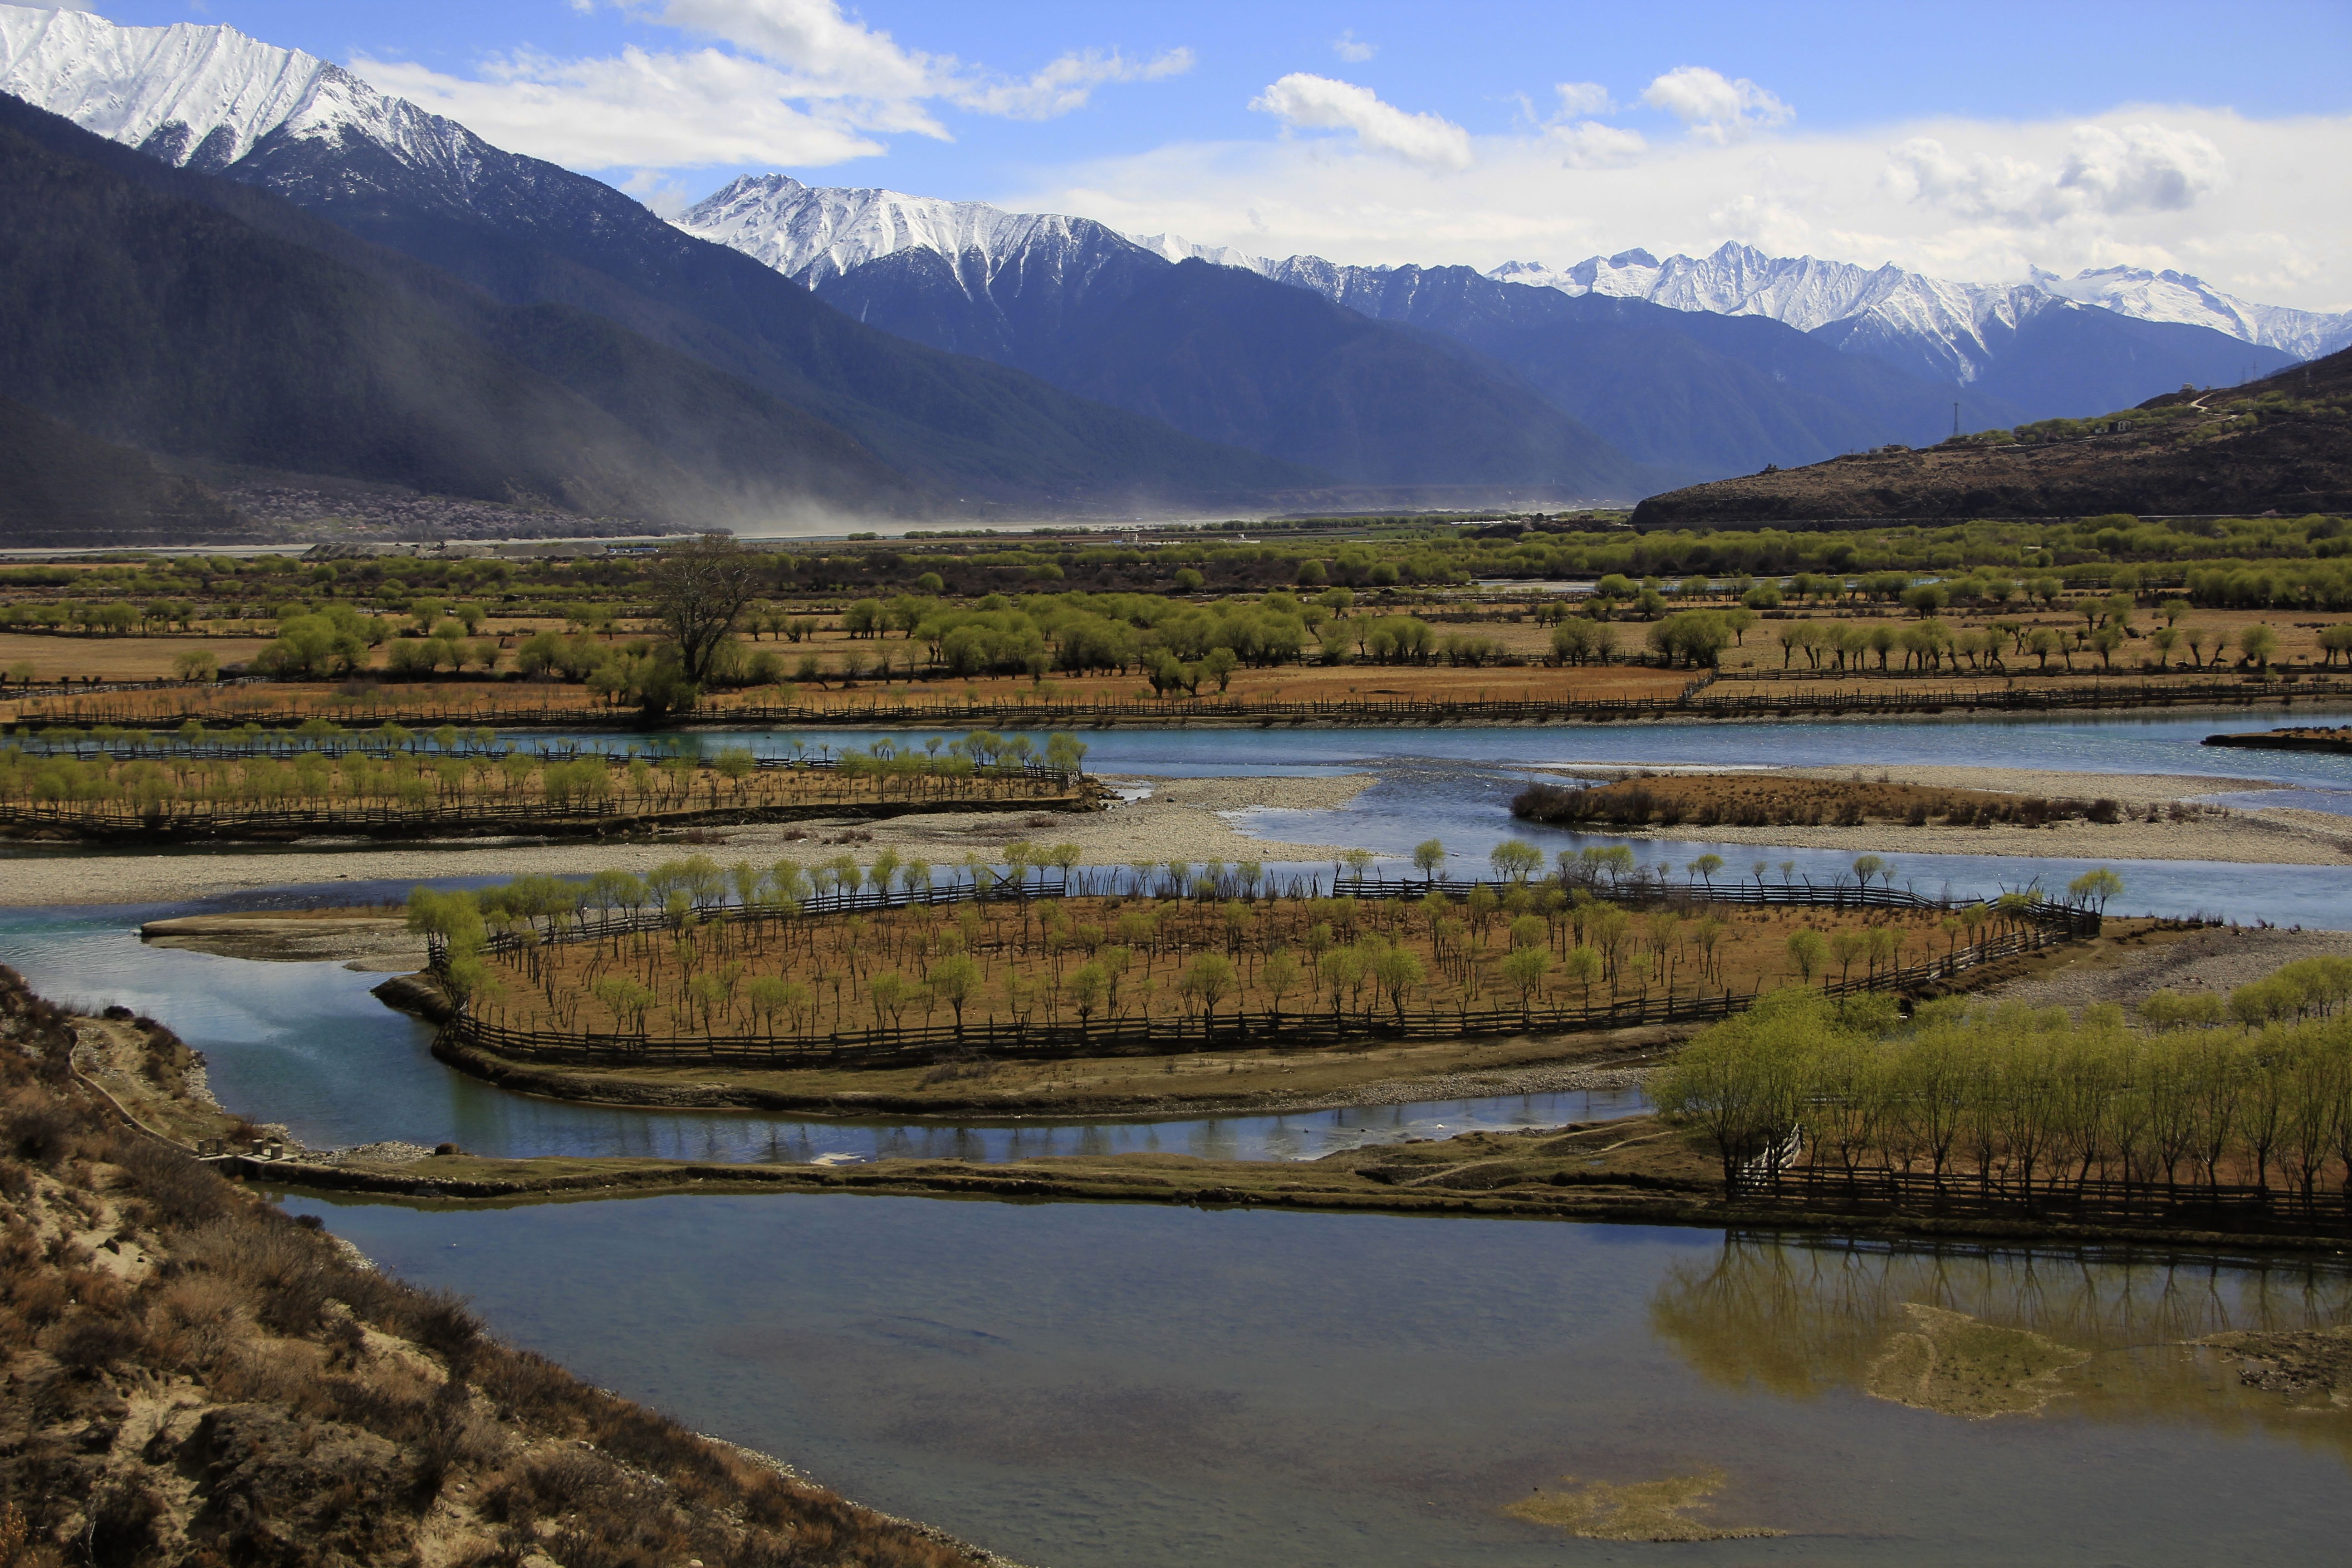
(1221, 353)
(529, 233)
(169, 311)
(59, 486)
(1700, 394)
(2177, 297)
(2283, 443)
(2000, 338)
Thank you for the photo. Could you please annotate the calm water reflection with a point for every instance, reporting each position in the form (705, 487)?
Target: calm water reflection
(305, 1044)
(1080, 1385)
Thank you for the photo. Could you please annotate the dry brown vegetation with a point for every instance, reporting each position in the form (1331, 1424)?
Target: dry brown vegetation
(194, 1378)
(1747, 801)
(371, 782)
(1230, 961)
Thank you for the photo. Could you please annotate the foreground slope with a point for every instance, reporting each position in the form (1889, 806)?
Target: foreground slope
(2284, 442)
(195, 1378)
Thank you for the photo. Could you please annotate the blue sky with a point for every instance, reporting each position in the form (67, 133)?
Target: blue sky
(1970, 140)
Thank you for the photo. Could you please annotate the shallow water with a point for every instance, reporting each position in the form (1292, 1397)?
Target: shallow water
(1078, 1385)
(1455, 785)
(2114, 743)
(305, 1044)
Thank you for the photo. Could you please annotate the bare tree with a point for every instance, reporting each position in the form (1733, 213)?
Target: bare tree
(697, 592)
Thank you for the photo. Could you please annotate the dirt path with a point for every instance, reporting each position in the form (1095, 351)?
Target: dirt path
(2217, 958)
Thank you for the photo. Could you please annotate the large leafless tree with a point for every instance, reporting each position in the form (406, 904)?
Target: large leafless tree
(698, 589)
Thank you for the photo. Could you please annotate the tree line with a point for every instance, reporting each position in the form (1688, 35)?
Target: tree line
(2207, 1093)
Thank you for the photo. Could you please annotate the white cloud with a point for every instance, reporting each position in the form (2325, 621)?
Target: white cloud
(2142, 168)
(1970, 200)
(1319, 103)
(797, 81)
(1716, 107)
(1353, 49)
(639, 110)
(2111, 171)
(1065, 85)
(1584, 98)
(833, 55)
(1589, 145)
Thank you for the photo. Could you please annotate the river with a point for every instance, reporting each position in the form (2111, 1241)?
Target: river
(1078, 1385)
(1082, 1386)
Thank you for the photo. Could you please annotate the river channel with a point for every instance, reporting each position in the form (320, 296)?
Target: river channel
(1078, 1385)
(1086, 1386)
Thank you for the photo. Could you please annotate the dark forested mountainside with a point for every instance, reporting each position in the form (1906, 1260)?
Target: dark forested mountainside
(1228, 356)
(529, 233)
(2280, 444)
(59, 486)
(143, 315)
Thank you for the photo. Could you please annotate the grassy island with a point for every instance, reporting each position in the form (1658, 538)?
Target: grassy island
(838, 965)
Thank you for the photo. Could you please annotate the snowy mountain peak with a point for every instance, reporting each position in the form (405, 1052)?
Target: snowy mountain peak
(207, 96)
(810, 233)
(1176, 247)
(2170, 296)
(188, 94)
(1807, 293)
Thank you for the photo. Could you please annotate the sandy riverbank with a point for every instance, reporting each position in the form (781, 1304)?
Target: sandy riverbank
(2264, 835)
(1180, 821)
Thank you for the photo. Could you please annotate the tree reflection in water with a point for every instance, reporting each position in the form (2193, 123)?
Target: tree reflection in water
(1805, 1316)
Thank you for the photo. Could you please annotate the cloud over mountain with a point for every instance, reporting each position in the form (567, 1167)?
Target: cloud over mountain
(1309, 103)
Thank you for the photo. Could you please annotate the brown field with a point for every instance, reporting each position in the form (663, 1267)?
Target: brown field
(1751, 801)
(1108, 960)
(115, 658)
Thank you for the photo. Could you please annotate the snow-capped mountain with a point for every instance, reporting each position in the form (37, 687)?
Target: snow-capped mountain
(1947, 325)
(2171, 296)
(206, 96)
(1957, 325)
(1176, 247)
(527, 233)
(812, 233)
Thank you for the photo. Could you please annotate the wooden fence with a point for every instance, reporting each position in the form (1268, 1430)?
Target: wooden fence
(1037, 712)
(2051, 1195)
(2071, 919)
(603, 815)
(1031, 1039)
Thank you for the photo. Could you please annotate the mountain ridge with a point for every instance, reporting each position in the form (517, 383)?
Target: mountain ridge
(529, 234)
(1221, 353)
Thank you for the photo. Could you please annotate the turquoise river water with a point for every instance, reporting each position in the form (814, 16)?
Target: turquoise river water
(1078, 1385)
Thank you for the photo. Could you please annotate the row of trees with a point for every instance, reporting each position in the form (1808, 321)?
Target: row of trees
(375, 772)
(2011, 1102)
(1194, 942)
